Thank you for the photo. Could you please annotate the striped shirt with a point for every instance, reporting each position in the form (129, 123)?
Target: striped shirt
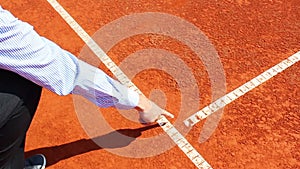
(43, 62)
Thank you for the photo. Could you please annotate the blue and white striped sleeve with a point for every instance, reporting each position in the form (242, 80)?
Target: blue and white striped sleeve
(40, 60)
(36, 58)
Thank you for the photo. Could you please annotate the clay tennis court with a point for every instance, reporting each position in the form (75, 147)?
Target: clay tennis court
(260, 130)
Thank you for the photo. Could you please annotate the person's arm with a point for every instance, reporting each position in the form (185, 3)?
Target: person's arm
(40, 60)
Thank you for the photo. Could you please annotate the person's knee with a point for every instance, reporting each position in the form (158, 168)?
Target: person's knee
(9, 104)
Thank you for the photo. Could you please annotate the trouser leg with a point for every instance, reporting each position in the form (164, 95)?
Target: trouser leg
(12, 132)
(18, 102)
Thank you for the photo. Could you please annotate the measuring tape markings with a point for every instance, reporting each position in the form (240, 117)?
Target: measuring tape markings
(240, 91)
(183, 144)
(173, 133)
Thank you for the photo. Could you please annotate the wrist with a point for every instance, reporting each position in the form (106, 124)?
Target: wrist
(143, 105)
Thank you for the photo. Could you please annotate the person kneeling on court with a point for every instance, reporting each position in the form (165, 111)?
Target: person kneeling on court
(29, 62)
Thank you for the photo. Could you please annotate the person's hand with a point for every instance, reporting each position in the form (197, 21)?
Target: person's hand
(149, 111)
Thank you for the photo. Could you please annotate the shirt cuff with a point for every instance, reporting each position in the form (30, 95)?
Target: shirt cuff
(96, 86)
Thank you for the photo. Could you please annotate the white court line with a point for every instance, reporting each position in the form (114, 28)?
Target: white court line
(240, 91)
(174, 134)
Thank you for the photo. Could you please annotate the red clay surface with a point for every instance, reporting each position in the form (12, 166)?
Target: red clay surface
(259, 130)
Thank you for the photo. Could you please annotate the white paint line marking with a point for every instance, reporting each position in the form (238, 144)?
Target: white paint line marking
(174, 134)
(240, 91)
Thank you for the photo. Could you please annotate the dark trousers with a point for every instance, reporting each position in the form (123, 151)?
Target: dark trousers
(18, 102)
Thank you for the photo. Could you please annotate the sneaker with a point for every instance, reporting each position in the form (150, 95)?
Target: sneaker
(35, 162)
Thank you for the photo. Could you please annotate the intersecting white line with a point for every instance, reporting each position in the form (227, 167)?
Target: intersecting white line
(240, 91)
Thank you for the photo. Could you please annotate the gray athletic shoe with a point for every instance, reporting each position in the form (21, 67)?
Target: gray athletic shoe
(35, 162)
